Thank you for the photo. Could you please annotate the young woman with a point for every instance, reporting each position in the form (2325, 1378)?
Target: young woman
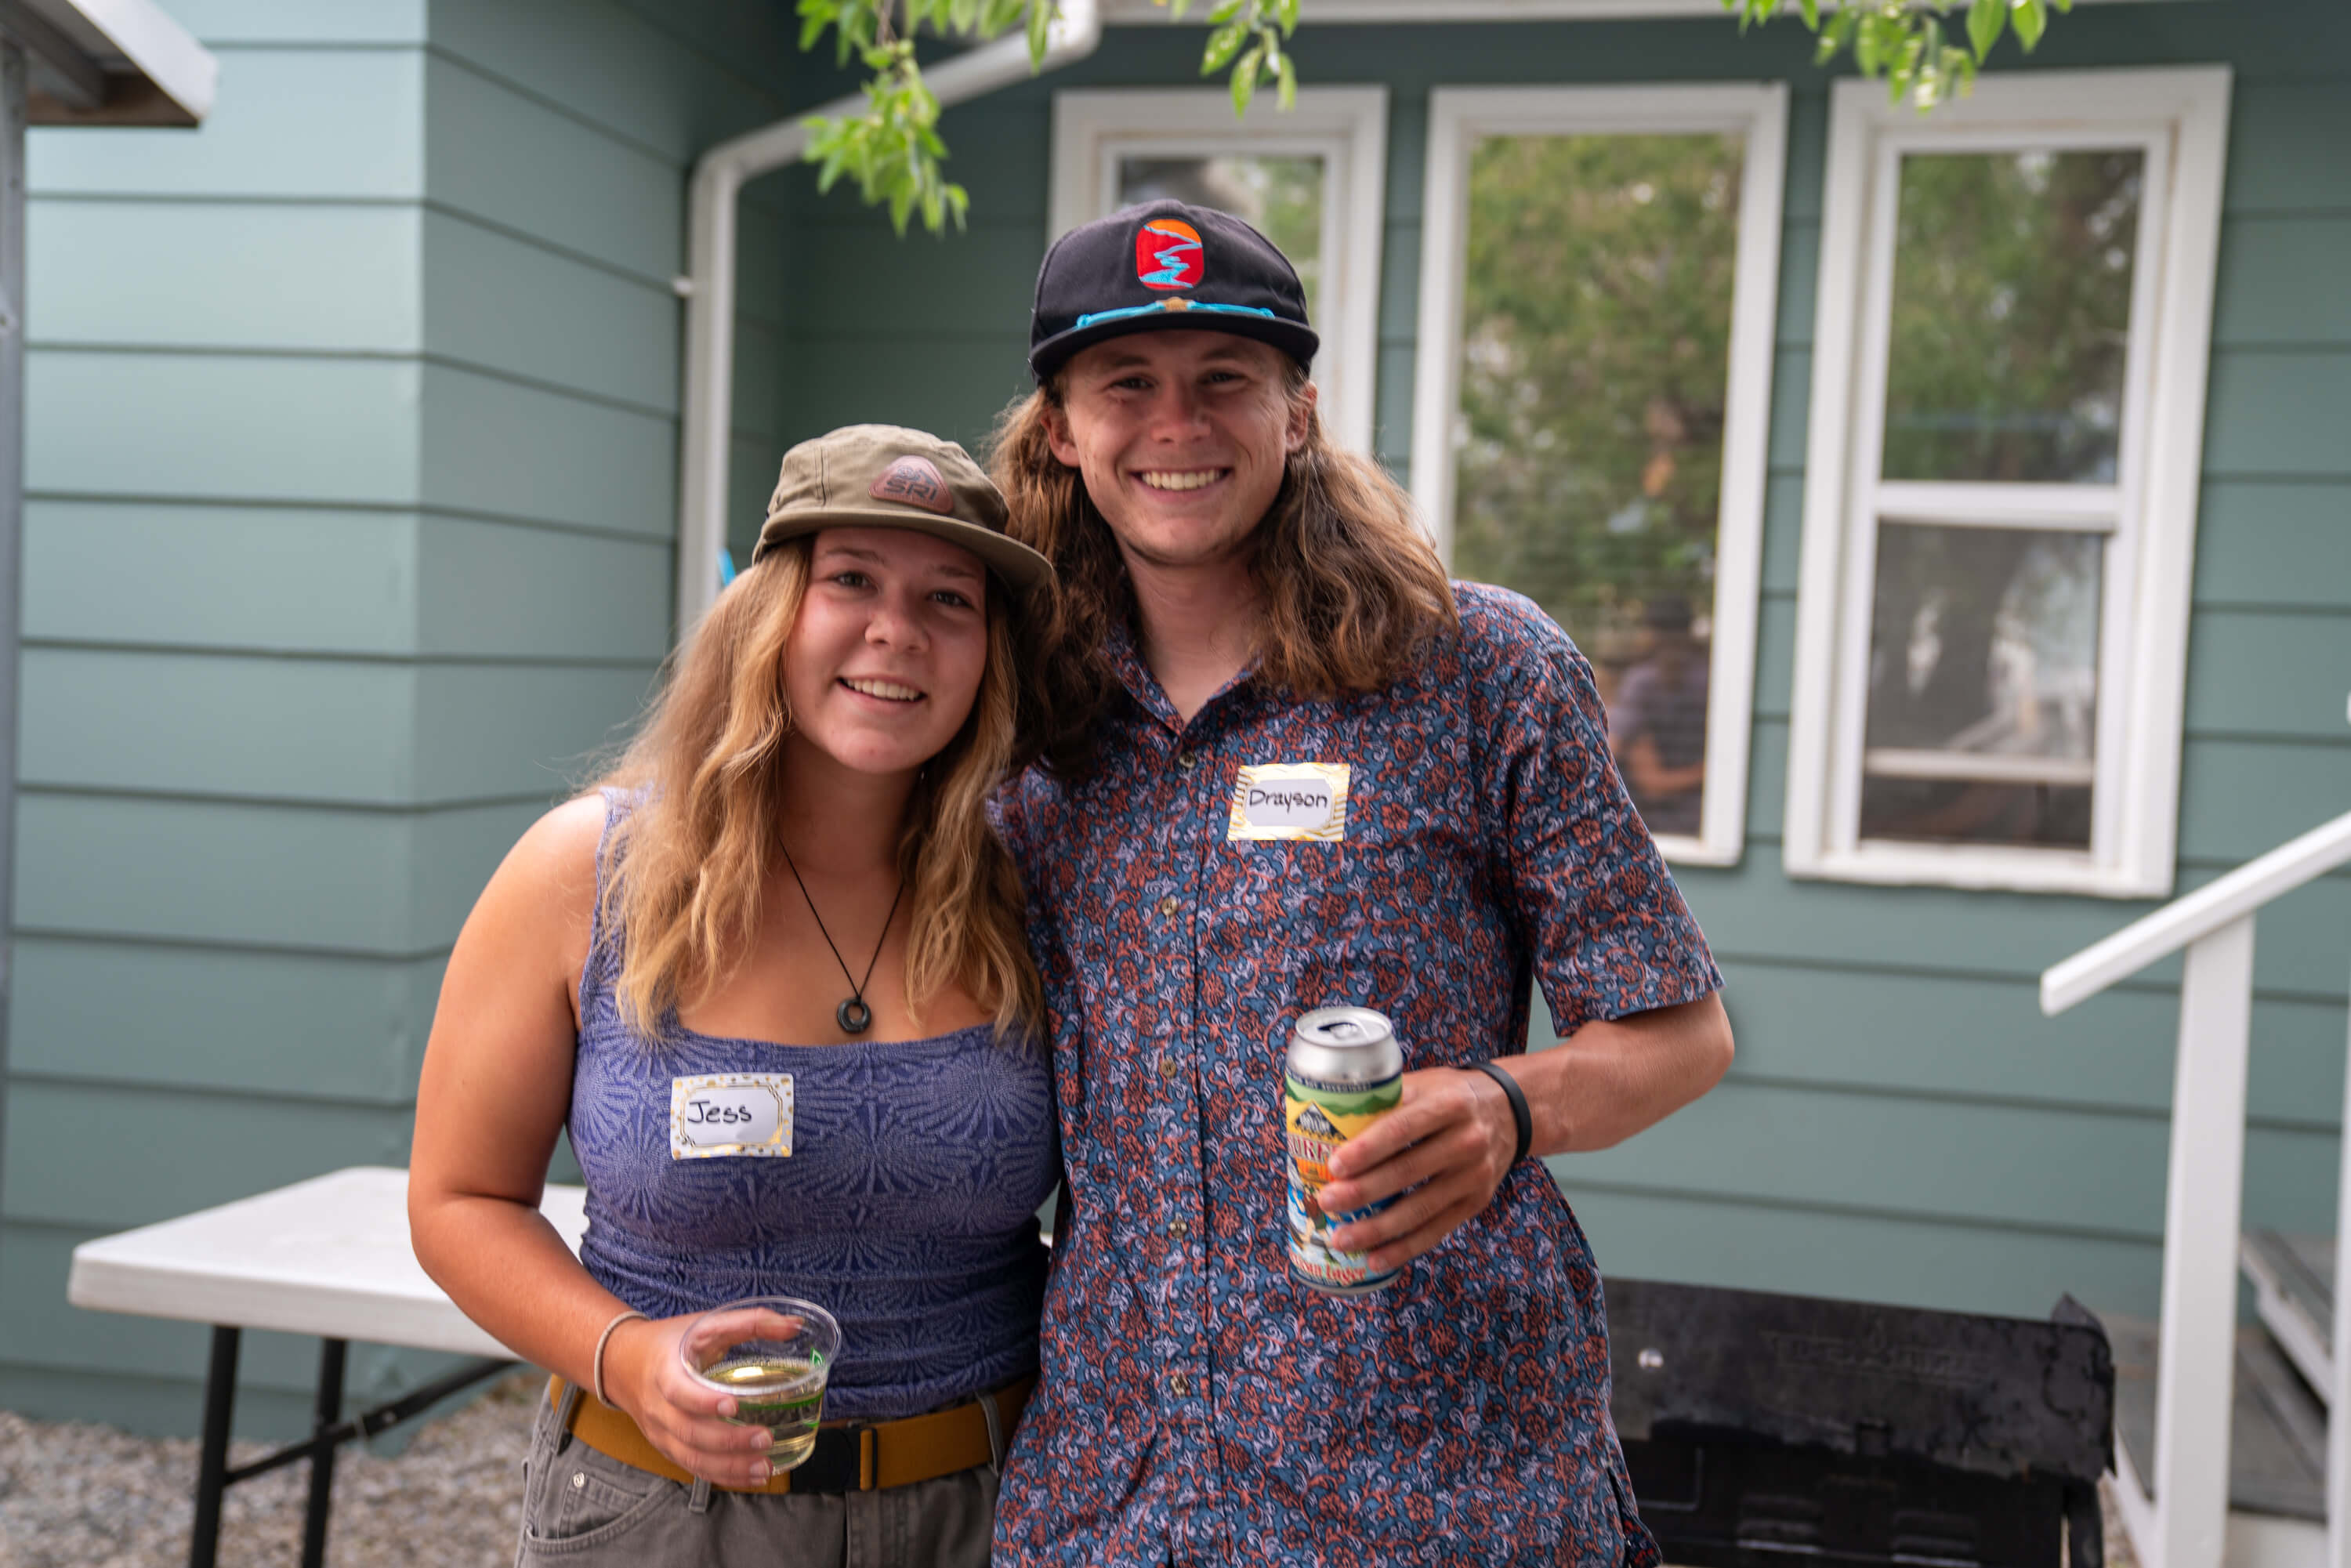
(785, 903)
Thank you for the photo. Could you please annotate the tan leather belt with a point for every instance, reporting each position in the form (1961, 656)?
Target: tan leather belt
(849, 1457)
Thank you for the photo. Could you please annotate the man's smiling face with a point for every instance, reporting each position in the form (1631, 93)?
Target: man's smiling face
(1181, 438)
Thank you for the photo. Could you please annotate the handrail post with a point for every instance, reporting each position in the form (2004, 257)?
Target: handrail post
(2338, 1400)
(2196, 1363)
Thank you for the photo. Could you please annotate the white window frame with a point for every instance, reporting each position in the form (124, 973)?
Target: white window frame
(2179, 118)
(1758, 112)
(1346, 127)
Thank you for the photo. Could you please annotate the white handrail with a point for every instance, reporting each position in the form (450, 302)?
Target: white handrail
(2196, 916)
(706, 425)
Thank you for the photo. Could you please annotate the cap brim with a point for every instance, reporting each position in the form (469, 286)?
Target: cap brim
(1009, 559)
(1295, 338)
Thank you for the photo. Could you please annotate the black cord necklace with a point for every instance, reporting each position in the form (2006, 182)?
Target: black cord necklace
(853, 1015)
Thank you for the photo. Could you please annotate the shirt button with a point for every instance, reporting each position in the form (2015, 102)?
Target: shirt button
(1175, 1384)
(1187, 759)
(1169, 906)
(1169, 1067)
(1181, 1230)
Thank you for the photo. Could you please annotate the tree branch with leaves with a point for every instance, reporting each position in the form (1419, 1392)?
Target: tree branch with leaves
(1910, 42)
(894, 154)
(893, 151)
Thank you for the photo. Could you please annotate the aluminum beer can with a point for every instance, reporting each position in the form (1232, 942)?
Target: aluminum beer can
(1344, 1071)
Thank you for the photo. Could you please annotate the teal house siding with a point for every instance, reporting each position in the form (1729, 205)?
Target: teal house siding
(352, 489)
(1902, 1124)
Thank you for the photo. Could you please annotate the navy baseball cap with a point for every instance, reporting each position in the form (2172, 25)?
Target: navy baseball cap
(1164, 264)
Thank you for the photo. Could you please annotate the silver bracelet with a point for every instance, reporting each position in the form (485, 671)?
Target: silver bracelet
(596, 1366)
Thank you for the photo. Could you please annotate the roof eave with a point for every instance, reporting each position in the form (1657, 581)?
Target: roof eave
(109, 62)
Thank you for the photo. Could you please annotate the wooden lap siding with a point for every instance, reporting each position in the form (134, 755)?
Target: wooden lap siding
(351, 465)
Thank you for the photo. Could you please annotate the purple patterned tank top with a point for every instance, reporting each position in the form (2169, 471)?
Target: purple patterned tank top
(906, 1206)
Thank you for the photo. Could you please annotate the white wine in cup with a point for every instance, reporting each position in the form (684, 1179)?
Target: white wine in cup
(773, 1354)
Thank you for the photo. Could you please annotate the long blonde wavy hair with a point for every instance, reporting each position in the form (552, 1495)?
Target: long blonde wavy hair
(684, 869)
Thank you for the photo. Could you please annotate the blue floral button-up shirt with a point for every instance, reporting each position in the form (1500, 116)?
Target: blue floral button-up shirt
(1197, 1406)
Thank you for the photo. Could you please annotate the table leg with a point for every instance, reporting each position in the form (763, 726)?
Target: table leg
(326, 1413)
(211, 1466)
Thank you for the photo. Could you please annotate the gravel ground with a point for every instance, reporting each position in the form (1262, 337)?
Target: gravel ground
(80, 1496)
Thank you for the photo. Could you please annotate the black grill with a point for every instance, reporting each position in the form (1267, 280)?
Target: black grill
(1760, 1427)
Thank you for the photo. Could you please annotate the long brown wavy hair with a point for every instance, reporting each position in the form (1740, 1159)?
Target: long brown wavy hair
(1351, 586)
(685, 869)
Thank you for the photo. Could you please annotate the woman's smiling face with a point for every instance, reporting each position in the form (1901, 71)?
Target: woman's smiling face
(884, 662)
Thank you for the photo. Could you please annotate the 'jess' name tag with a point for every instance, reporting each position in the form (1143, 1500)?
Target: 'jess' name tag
(1290, 800)
(730, 1114)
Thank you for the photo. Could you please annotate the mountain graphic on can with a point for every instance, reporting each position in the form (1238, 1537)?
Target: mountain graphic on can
(1343, 1072)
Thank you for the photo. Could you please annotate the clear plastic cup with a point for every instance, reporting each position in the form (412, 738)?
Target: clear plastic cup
(774, 1355)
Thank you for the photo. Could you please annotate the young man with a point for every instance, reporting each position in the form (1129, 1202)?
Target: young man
(1238, 595)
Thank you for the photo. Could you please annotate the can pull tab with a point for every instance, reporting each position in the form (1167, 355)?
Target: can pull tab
(1343, 1029)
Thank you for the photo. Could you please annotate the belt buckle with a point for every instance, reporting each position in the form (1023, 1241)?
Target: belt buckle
(842, 1460)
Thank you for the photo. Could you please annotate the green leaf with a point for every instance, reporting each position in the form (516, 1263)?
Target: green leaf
(1226, 11)
(816, 15)
(1285, 12)
(1245, 81)
(1041, 25)
(2032, 19)
(1223, 44)
(1812, 14)
(1289, 84)
(1986, 20)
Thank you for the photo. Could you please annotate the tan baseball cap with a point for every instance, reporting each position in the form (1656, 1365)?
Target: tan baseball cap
(886, 476)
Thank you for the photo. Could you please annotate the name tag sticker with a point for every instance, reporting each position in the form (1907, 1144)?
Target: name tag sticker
(731, 1115)
(1290, 800)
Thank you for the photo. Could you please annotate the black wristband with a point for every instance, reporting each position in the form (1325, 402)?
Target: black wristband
(1520, 1114)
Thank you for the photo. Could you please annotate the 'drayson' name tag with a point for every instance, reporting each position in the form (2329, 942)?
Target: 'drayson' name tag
(1290, 800)
(728, 1115)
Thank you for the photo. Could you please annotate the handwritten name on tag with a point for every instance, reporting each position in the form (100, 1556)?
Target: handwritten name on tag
(730, 1114)
(1290, 800)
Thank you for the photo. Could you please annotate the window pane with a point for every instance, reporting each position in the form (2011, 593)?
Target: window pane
(1596, 369)
(1983, 685)
(2010, 315)
(1975, 812)
(1281, 197)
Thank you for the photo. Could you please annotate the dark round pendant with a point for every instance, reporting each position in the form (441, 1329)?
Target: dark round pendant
(854, 1017)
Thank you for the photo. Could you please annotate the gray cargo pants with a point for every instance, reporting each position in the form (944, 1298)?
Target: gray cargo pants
(586, 1509)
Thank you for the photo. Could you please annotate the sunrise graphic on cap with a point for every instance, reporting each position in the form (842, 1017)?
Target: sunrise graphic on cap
(1167, 254)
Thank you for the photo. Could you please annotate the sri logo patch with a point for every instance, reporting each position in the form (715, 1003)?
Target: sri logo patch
(1167, 254)
(915, 481)
(1290, 800)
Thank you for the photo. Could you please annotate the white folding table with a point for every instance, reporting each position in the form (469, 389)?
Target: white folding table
(328, 1257)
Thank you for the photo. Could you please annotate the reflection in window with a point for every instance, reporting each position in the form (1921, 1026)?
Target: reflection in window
(1597, 296)
(1983, 685)
(2010, 316)
(1282, 198)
